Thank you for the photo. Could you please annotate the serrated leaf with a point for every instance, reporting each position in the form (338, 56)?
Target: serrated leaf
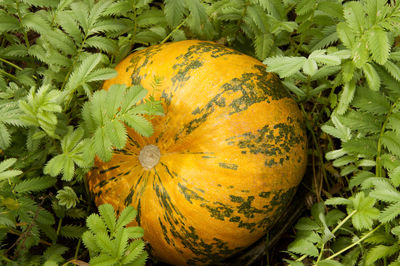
(140, 124)
(395, 176)
(72, 231)
(379, 252)
(108, 215)
(80, 73)
(174, 11)
(102, 43)
(305, 6)
(393, 69)
(378, 44)
(101, 74)
(35, 184)
(361, 146)
(96, 224)
(5, 137)
(121, 242)
(126, 216)
(360, 53)
(310, 67)
(337, 201)
(346, 97)
(284, 66)
(263, 44)
(307, 224)
(366, 213)
(372, 77)
(390, 141)
(390, 213)
(345, 34)
(303, 247)
(135, 252)
(354, 15)
(102, 260)
(89, 240)
(102, 144)
(135, 232)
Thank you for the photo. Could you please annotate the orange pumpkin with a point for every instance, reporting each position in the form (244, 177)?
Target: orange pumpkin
(222, 164)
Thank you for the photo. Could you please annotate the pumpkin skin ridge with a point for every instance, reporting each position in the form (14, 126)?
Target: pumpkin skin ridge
(179, 234)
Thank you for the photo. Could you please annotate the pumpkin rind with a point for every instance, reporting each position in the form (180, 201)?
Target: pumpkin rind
(233, 150)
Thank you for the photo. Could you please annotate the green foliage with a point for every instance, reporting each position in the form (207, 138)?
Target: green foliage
(110, 241)
(359, 97)
(339, 59)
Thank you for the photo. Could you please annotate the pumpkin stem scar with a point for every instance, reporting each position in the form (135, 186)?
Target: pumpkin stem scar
(149, 156)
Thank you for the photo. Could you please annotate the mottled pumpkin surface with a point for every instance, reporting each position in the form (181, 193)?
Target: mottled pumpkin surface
(233, 150)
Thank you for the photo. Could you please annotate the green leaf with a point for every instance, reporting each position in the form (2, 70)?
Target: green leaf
(390, 213)
(391, 141)
(102, 144)
(35, 184)
(8, 23)
(310, 67)
(284, 66)
(4, 165)
(72, 231)
(378, 44)
(105, 243)
(126, 216)
(103, 260)
(303, 247)
(346, 97)
(117, 133)
(337, 201)
(96, 224)
(307, 224)
(135, 232)
(89, 240)
(135, 252)
(329, 263)
(379, 252)
(360, 53)
(67, 197)
(345, 34)
(140, 124)
(305, 6)
(263, 44)
(366, 213)
(121, 242)
(174, 11)
(80, 73)
(354, 15)
(102, 43)
(393, 69)
(108, 215)
(372, 77)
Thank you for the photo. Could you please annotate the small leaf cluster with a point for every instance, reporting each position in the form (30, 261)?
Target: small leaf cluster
(110, 242)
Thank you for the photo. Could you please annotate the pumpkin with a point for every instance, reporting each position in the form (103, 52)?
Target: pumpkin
(223, 162)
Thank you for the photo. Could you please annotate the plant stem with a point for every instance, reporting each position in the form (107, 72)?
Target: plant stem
(10, 63)
(77, 248)
(170, 34)
(378, 169)
(8, 74)
(59, 226)
(354, 244)
(343, 221)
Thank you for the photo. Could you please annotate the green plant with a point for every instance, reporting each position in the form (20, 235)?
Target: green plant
(110, 242)
(340, 60)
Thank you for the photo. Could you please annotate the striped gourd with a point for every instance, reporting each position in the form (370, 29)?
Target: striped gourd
(222, 164)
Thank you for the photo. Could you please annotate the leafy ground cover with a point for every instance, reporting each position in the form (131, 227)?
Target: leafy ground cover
(339, 59)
